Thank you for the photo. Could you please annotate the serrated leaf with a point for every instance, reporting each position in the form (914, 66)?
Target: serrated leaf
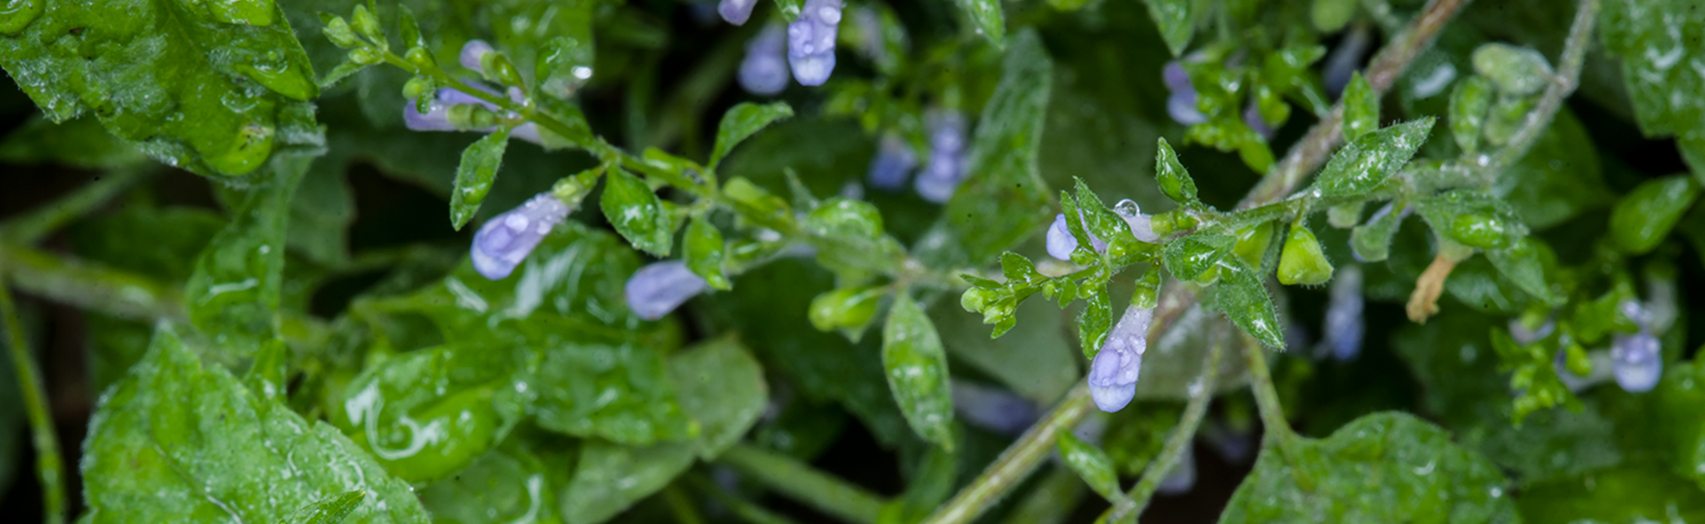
(1003, 200)
(1365, 163)
(987, 15)
(740, 122)
(1176, 20)
(215, 89)
(702, 248)
(1243, 298)
(234, 293)
(178, 440)
(1094, 322)
(1175, 181)
(1384, 467)
(916, 367)
(637, 213)
(1361, 108)
(1091, 464)
(1192, 257)
(475, 174)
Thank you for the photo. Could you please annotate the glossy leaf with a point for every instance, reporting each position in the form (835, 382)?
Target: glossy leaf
(1523, 265)
(637, 213)
(1469, 102)
(702, 248)
(1365, 163)
(512, 483)
(621, 393)
(214, 89)
(986, 15)
(330, 511)
(609, 478)
(916, 368)
(1175, 181)
(1196, 257)
(1646, 215)
(1176, 20)
(1471, 218)
(178, 440)
(234, 293)
(1380, 468)
(1094, 322)
(1091, 464)
(1003, 200)
(740, 122)
(475, 174)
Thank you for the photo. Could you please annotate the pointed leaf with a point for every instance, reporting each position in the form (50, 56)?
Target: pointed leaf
(1094, 322)
(702, 247)
(916, 368)
(1243, 298)
(1361, 108)
(740, 122)
(1176, 20)
(987, 16)
(637, 213)
(1175, 181)
(1364, 164)
(1091, 464)
(475, 174)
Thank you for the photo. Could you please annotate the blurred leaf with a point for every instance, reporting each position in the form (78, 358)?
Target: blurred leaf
(475, 174)
(428, 414)
(1522, 263)
(1558, 178)
(741, 122)
(1035, 359)
(1628, 494)
(1469, 102)
(321, 213)
(1653, 39)
(609, 478)
(80, 142)
(1361, 106)
(1004, 200)
(1385, 467)
(987, 16)
(510, 484)
(220, 113)
(620, 393)
(1365, 163)
(1644, 217)
(702, 248)
(722, 387)
(637, 213)
(1176, 21)
(176, 440)
(234, 294)
(1091, 464)
(917, 371)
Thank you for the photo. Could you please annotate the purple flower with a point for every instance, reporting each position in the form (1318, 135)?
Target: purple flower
(660, 287)
(764, 70)
(946, 167)
(1343, 330)
(1113, 374)
(505, 240)
(1061, 243)
(1524, 336)
(1637, 362)
(438, 115)
(473, 52)
(1181, 104)
(893, 163)
(993, 409)
(736, 11)
(811, 41)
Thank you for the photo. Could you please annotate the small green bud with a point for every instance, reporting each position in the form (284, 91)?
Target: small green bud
(1576, 360)
(1479, 230)
(418, 88)
(1344, 216)
(1175, 181)
(420, 57)
(366, 56)
(366, 23)
(497, 68)
(845, 308)
(1252, 243)
(1515, 70)
(1301, 261)
(1171, 222)
(1147, 294)
(977, 298)
(337, 30)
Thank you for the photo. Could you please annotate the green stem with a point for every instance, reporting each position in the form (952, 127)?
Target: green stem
(30, 228)
(798, 481)
(681, 506)
(49, 466)
(1016, 462)
(742, 508)
(1201, 394)
(1562, 85)
(1056, 495)
(1266, 397)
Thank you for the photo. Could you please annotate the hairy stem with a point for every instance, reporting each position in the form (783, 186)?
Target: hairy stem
(1302, 160)
(1272, 413)
(50, 468)
(800, 482)
(1561, 86)
(1201, 394)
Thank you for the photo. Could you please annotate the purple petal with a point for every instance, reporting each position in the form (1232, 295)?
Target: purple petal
(660, 287)
(811, 41)
(1060, 241)
(473, 52)
(1114, 372)
(1176, 78)
(946, 130)
(764, 69)
(1252, 116)
(893, 163)
(1524, 336)
(1637, 362)
(935, 189)
(736, 11)
(1181, 106)
(505, 240)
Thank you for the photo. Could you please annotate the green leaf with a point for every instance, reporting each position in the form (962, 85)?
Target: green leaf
(1091, 464)
(1558, 178)
(1371, 242)
(1385, 467)
(1175, 181)
(987, 16)
(1469, 102)
(609, 478)
(1472, 218)
(916, 368)
(1195, 257)
(1523, 265)
(80, 142)
(1243, 298)
(1654, 41)
(429, 413)
(512, 483)
(1646, 215)
(637, 213)
(213, 88)
(1176, 20)
(234, 293)
(176, 440)
(1624, 494)
(330, 511)
(1094, 322)
(790, 8)
(622, 393)
(1004, 200)
(741, 122)
(321, 213)
(702, 247)
(1365, 163)
(475, 174)
(722, 387)
(1361, 107)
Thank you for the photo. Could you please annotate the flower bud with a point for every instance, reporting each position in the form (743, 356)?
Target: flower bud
(764, 69)
(338, 31)
(1637, 362)
(845, 308)
(505, 240)
(1114, 371)
(366, 23)
(1181, 104)
(736, 11)
(941, 176)
(1301, 261)
(660, 287)
(473, 54)
(811, 41)
(893, 163)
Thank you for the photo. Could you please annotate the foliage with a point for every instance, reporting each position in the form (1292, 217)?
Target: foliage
(666, 291)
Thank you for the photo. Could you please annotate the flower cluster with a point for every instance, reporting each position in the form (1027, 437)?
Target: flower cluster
(810, 45)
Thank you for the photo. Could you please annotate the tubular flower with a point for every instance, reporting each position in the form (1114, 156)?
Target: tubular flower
(811, 41)
(660, 287)
(1114, 372)
(505, 240)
